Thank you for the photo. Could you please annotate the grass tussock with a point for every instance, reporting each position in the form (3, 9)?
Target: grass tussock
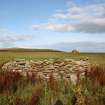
(18, 90)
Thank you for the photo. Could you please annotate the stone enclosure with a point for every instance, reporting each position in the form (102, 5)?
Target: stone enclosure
(66, 68)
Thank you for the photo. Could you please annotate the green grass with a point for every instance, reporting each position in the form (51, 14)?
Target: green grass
(66, 93)
(98, 58)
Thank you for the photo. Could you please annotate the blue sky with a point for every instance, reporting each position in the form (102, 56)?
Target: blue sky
(48, 23)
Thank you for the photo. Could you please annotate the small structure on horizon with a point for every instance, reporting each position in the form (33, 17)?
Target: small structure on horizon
(75, 51)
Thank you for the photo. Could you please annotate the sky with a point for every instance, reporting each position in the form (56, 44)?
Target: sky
(54, 24)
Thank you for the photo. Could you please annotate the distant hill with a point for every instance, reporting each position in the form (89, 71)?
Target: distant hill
(80, 46)
(27, 50)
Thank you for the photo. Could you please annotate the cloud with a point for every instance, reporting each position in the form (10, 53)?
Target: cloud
(8, 38)
(54, 27)
(87, 18)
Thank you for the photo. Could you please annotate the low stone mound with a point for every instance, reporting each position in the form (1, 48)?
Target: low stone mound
(66, 68)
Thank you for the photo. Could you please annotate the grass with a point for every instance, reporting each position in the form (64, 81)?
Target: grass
(96, 58)
(18, 90)
(54, 92)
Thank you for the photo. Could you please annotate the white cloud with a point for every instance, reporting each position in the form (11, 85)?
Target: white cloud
(88, 19)
(54, 27)
(8, 38)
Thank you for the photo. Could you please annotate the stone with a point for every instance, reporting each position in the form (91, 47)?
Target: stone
(66, 68)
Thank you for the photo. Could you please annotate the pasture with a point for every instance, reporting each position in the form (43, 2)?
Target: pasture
(94, 58)
(16, 89)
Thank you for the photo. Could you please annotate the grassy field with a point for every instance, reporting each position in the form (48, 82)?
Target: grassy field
(16, 89)
(98, 58)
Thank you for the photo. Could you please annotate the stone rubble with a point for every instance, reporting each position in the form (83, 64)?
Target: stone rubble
(66, 68)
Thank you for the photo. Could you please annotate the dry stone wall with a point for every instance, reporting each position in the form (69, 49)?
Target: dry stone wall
(66, 68)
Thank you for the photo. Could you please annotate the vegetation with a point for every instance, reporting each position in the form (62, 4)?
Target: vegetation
(18, 90)
(27, 50)
(40, 54)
